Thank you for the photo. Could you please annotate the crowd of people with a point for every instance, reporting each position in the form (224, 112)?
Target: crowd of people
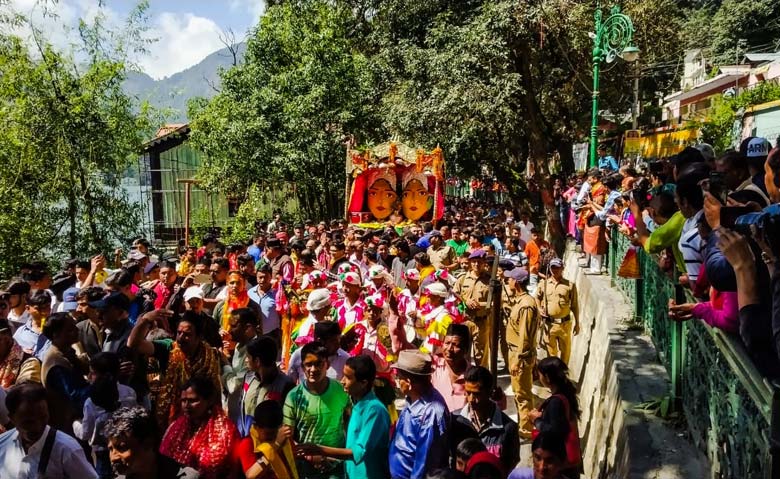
(323, 350)
(320, 350)
(710, 221)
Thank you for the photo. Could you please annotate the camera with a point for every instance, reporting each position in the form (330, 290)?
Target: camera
(767, 222)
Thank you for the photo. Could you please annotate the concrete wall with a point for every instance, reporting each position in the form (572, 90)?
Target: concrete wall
(618, 371)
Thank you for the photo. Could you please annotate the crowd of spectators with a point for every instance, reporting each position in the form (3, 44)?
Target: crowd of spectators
(710, 221)
(316, 351)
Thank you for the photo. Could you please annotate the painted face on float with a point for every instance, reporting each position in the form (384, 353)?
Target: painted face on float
(381, 199)
(415, 200)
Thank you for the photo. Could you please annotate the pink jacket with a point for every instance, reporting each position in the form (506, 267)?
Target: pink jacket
(722, 311)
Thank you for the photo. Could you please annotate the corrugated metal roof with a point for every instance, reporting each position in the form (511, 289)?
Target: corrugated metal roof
(167, 132)
(762, 57)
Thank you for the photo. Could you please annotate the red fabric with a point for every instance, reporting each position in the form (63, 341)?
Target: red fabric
(208, 449)
(484, 457)
(573, 451)
(594, 240)
(245, 451)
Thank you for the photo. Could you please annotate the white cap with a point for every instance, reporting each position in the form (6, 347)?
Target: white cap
(135, 255)
(193, 292)
(437, 289)
(757, 147)
(318, 299)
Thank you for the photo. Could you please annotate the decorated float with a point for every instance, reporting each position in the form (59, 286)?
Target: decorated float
(392, 184)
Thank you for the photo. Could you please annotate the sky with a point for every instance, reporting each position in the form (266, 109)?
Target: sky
(186, 30)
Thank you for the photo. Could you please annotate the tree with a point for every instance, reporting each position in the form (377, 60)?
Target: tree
(285, 114)
(501, 83)
(69, 135)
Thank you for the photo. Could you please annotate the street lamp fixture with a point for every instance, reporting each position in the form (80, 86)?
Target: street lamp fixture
(630, 54)
(611, 39)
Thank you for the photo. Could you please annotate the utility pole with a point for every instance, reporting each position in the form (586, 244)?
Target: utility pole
(188, 182)
(635, 105)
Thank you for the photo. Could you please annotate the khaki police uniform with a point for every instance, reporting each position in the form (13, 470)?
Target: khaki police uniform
(559, 309)
(521, 341)
(471, 287)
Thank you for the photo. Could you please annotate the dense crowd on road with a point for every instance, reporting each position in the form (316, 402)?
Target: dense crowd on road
(337, 350)
(313, 350)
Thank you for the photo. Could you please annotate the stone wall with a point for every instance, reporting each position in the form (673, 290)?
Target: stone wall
(617, 369)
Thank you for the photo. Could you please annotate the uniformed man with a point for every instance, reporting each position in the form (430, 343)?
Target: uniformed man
(559, 308)
(521, 340)
(473, 289)
(508, 298)
(442, 255)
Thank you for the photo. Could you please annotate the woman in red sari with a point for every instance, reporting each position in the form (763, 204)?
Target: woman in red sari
(202, 437)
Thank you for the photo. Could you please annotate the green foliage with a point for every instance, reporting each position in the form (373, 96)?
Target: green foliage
(285, 113)
(69, 134)
(718, 128)
(258, 206)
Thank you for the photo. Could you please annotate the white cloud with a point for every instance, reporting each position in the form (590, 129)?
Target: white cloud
(254, 7)
(183, 40)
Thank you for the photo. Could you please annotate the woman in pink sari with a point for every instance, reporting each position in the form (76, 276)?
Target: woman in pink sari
(569, 195)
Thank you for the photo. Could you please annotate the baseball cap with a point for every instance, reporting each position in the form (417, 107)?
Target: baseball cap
(135, 255)
(518, 274)
(478, 254)
(707, 151)
(18, 286)
(150, 267)
(193, 292)
(435, 234)
(757, 147)
(69, 302)
(115, 300)
(556, 263)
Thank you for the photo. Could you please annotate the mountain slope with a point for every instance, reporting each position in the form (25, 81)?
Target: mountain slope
(171, 93)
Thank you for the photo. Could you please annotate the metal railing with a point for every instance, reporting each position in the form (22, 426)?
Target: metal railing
(732, 412)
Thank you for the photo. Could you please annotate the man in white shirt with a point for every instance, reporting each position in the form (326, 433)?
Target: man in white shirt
(526, 226)
(329, 334)
(33, 449)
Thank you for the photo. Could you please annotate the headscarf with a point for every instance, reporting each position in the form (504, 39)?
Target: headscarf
(207, 449)
(180, 370)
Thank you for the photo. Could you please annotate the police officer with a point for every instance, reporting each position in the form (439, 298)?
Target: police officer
(560, 311)
(508, 298)
(521, 330)
(473, 288)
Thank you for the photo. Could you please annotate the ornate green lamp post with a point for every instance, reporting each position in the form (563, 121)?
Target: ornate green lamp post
(611, 39)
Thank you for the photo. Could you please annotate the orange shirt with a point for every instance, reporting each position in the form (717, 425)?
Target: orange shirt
(533, 253)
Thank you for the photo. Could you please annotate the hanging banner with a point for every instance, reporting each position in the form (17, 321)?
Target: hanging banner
(632, 143)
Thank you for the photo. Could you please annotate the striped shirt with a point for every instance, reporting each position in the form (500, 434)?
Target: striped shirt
(691, 247)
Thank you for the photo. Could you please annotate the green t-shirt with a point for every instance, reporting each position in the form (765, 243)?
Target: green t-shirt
(317, 419)
(459, 248)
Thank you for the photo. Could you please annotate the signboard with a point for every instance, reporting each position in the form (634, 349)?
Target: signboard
(632, 143)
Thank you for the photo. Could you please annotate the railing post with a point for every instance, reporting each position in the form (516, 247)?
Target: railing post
(774, 432)
(677, 350)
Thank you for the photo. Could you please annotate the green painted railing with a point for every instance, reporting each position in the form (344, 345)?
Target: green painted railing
(727, 404)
